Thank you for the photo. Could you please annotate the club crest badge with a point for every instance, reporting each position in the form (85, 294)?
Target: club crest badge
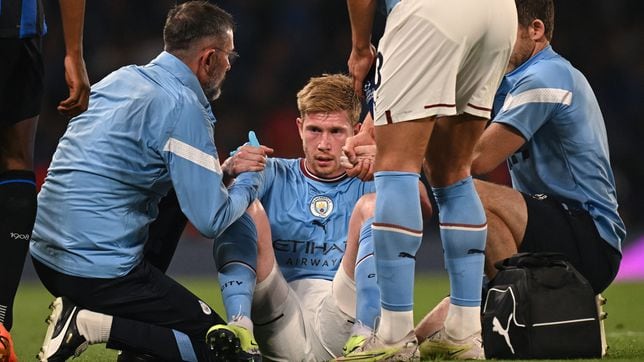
(321, 206)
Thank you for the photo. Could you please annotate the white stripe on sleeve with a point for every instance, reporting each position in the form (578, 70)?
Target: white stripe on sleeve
(193, 155)
(539, 95)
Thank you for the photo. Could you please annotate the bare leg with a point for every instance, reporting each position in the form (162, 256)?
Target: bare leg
(449, 153)
(507, 217)
(17, 145)
(265, 252)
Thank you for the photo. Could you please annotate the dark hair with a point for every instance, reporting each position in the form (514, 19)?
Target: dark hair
(543, 10)
(192, 21)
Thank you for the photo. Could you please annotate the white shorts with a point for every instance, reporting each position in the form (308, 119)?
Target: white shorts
(305, 320)
(442, 58)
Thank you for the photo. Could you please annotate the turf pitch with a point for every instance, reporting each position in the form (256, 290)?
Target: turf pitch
(624, 326)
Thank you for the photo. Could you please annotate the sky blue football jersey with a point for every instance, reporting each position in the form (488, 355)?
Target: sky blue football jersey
(551, 104)
(309, 217)
(148, 129)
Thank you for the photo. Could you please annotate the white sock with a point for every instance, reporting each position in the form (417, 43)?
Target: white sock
(95, 327)
(242, 320)
(394, 326)
(462, 322)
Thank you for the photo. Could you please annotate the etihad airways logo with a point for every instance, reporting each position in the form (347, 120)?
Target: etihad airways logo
(307, 247)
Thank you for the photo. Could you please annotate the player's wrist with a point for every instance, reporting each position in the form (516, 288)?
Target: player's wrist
(361, 46)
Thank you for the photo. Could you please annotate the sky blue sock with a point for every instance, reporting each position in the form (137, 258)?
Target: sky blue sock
(235, 253)
(367, 292)
(463, 229)
(397, 234)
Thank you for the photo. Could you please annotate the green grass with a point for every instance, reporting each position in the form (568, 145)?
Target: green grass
(624, 327)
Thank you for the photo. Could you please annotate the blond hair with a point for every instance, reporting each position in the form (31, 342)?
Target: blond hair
(329, 93)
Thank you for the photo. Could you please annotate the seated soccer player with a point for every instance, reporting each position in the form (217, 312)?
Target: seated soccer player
(297, 295)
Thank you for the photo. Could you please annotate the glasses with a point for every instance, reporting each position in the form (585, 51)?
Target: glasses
(232, 55)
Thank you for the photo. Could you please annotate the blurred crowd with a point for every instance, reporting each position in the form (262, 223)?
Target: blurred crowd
(284, 42)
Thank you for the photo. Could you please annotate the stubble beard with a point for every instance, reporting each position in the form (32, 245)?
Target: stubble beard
(212, 91)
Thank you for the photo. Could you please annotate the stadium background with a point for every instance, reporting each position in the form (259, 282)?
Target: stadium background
(284, 42)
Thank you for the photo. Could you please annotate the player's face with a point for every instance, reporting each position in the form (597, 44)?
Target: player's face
(215, 69)
(323, 135)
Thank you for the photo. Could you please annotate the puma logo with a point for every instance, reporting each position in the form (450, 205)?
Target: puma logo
(498, 328)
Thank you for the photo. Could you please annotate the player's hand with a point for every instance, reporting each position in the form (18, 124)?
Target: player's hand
(364, 159)
(247, 159)
(359, 64)
(78, 83)
(362, 138)
(251, 157)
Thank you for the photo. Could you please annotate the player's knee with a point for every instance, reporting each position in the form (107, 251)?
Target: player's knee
(366, 206)
(17, 152)
(484, 192)
(256, 210)
(18, 198)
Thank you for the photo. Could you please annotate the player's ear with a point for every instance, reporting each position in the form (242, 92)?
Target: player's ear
(300, 125)
(537, 29)
(207, 58)
(200, 64)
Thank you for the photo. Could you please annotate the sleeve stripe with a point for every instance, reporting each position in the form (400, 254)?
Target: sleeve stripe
(193, 155)
(539, 95)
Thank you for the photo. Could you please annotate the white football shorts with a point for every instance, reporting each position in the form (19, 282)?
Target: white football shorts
(305, 320)
(442, 58)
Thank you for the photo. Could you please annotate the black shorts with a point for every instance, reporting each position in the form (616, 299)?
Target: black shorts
(145, 294)
(554, 226)
(21, 79)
